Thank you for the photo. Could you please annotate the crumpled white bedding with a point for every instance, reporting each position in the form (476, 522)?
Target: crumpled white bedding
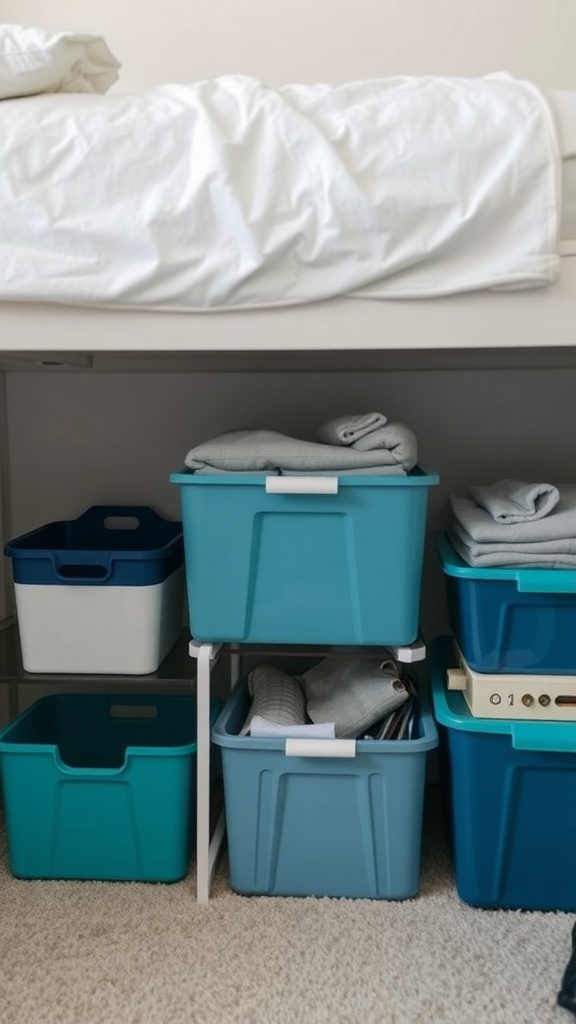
(227, 193)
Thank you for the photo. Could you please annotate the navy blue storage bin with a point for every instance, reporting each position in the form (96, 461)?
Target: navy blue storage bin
(511, 793)
(111, 545)
(511, 619)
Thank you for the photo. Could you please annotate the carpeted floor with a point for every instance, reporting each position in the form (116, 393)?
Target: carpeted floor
(118, 953)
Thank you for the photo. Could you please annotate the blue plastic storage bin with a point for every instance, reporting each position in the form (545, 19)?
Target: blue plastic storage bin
(103, 593)
(322, 568)
(511, 792)
(108, 545)
(343, 826)
(511, 619)
(102, 787)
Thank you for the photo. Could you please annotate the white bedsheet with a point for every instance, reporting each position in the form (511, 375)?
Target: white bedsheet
(229, 194)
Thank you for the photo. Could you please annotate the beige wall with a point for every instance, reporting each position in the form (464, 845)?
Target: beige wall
(312, 40)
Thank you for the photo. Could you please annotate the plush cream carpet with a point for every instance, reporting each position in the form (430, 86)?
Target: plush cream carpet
(117, 953)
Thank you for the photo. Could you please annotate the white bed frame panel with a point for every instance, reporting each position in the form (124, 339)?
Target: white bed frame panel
(487, 320)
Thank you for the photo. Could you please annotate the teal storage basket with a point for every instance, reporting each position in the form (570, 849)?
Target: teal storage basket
(102, 787)
(300, 566)
(332, 825)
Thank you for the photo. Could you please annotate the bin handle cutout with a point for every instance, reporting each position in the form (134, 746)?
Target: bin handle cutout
(319, 748)
(121, 523)
(82, 572)
(133, 711)
(130, 518)
(301, 485)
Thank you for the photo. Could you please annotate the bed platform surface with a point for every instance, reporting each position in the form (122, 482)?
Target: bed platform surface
(535, 318)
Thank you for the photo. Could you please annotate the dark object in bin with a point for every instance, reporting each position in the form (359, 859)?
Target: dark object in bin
(567, 993)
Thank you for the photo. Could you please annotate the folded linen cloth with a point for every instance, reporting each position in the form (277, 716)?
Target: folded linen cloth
(499, 555)
(263, 728)
(370, 432)
(560, 524)
(397, 438)
(276, 696)
(266, 450)
(559, 546)
(393, 470)
(353, 692)
(513, 501)
(349, 429)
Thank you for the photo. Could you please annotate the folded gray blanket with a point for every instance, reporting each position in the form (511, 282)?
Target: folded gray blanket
(209, 470)
(353, 692)
(548, 542)
(350, 429)
(350, 692)
(560, 546)
(560, 524)
(512, 501)
(276, 696)
(268, 451)
(538, 555)
(371, 432)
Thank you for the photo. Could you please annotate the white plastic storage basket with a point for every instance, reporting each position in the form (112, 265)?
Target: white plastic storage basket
(103, 593)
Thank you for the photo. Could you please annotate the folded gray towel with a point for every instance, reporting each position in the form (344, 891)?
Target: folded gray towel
(398, 438)
(372, 432)
(349, 429)
(276, 696)
(267, 451)
(392, 470)
(353, 692)
(512, 501)
(502, 556)
(560, 546)
(560, 524)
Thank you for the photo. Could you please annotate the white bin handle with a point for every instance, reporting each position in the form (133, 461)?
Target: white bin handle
(301, 485)
(319, 748)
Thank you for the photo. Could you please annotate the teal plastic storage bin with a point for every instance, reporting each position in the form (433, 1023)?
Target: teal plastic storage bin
(511, 791)
(311, 825)
(102, 787)
(511, 619)
(341, 567)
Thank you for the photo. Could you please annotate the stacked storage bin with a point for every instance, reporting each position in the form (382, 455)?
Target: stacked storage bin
(504, 693)
(100, 594)
(338, 568)
(100, 785)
